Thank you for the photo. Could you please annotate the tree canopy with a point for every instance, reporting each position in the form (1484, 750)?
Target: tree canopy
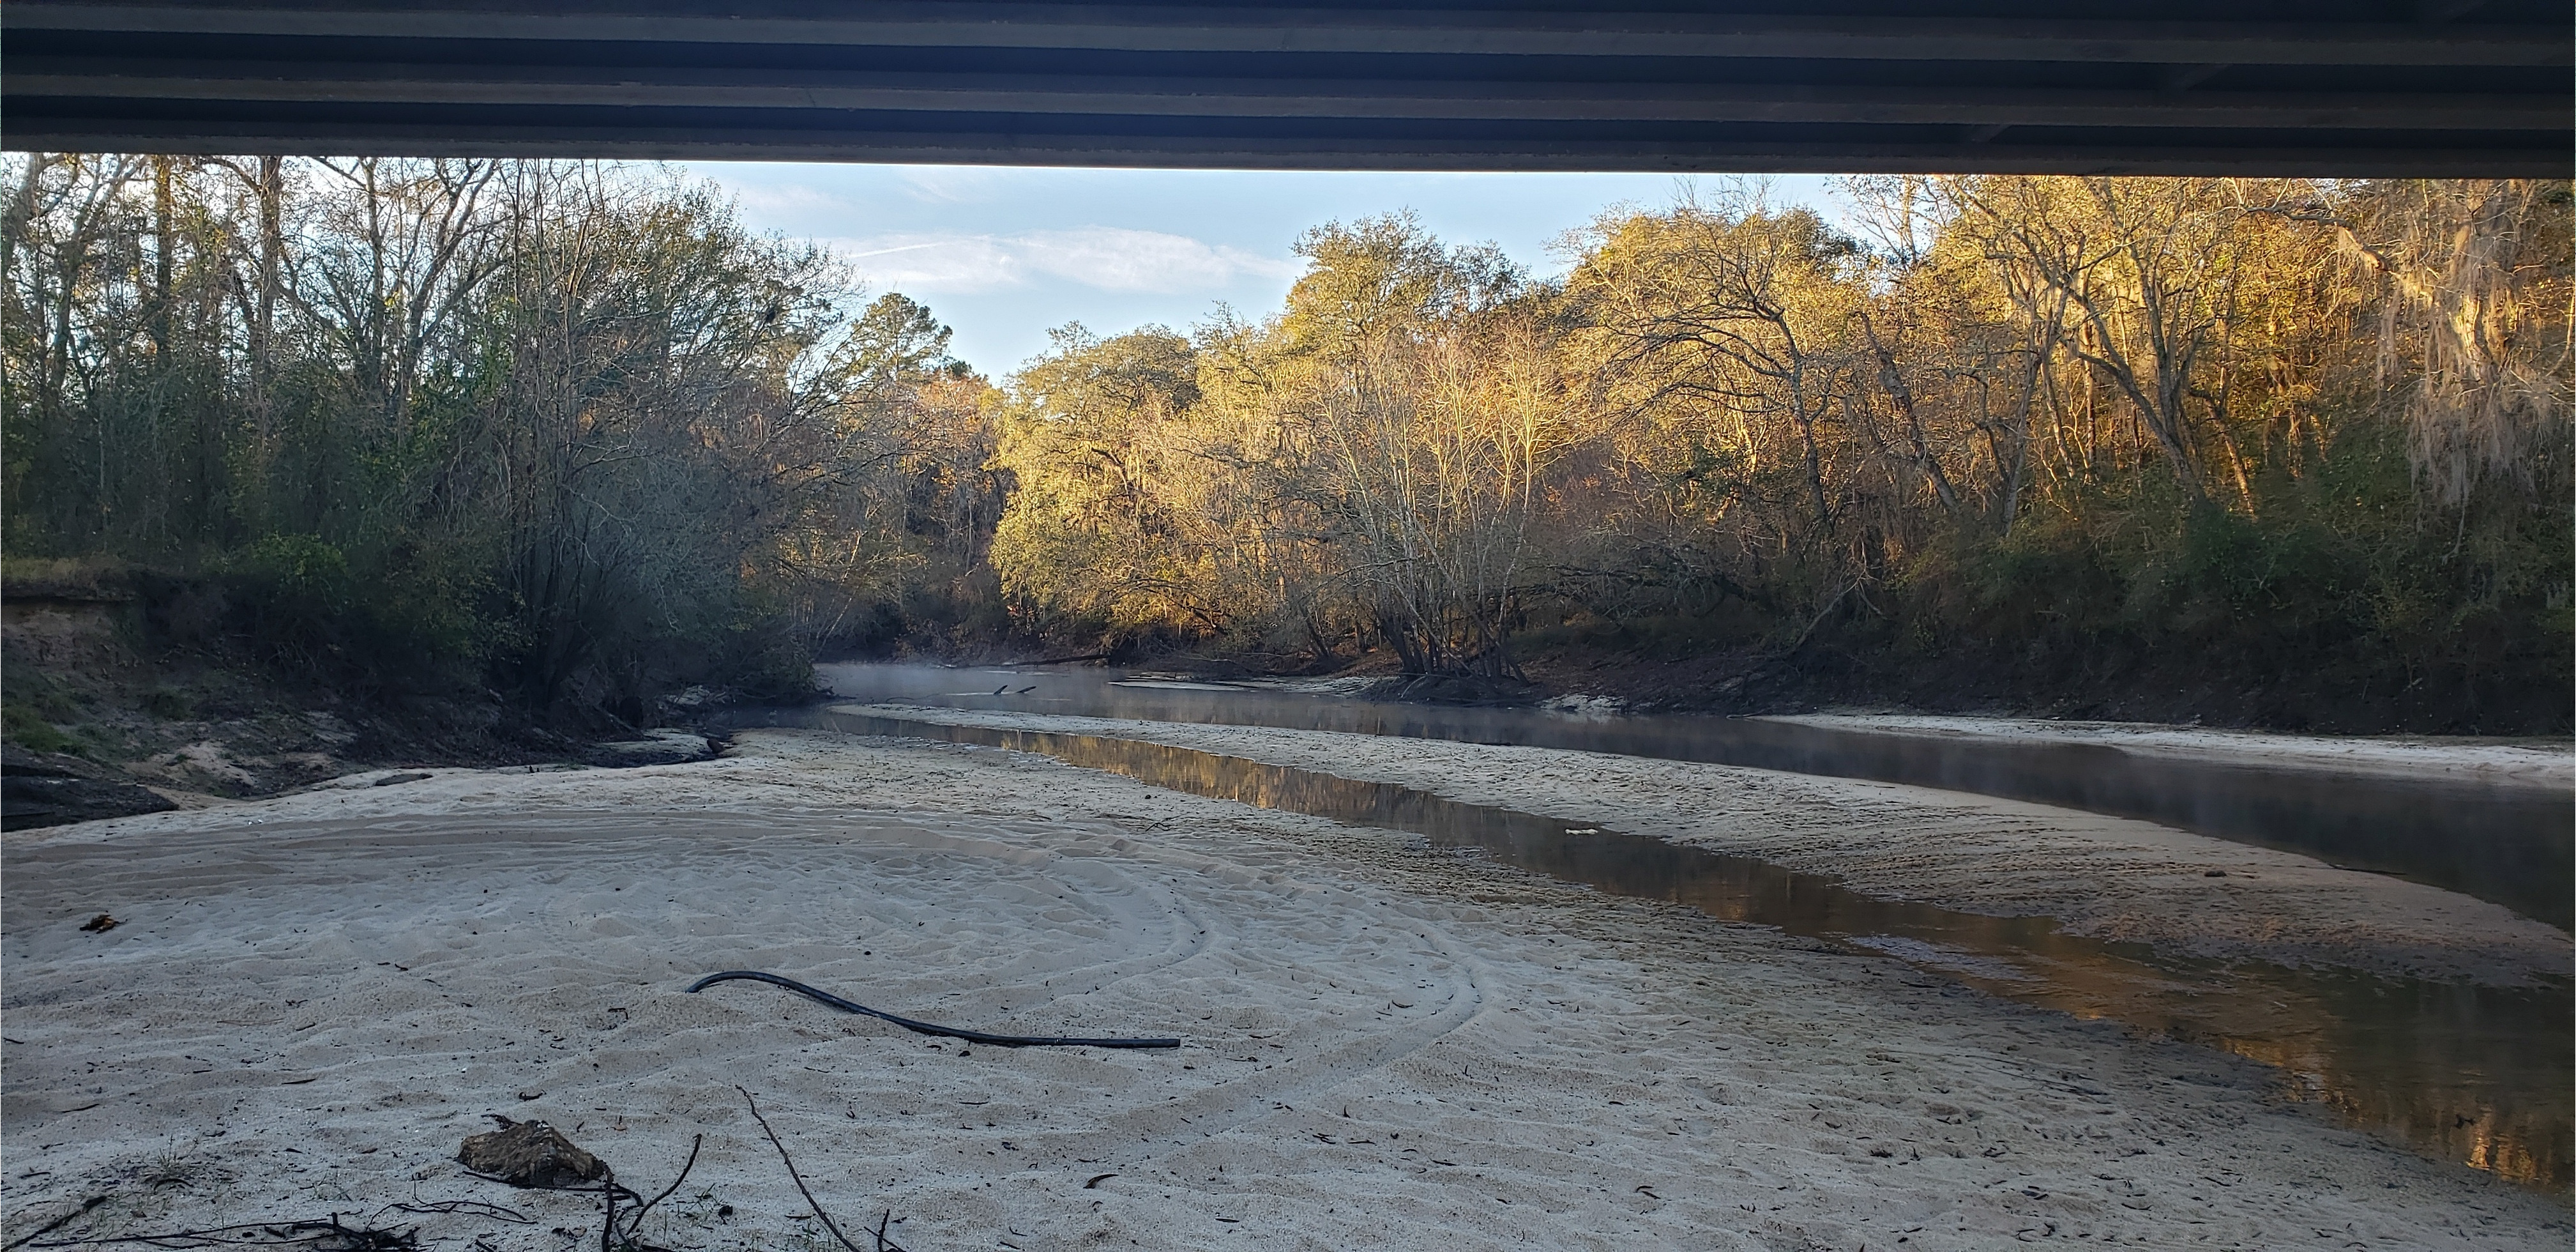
(570, 432)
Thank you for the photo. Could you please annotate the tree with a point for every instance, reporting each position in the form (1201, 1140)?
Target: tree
(1099, 525)
(564, 430)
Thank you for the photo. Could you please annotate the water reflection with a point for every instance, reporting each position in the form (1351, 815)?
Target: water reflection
(2477, 1074)
(2511, 844)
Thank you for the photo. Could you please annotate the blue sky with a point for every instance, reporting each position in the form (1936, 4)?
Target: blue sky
(1002, 254)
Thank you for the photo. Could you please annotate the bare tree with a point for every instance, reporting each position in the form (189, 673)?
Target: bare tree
(2143, 268)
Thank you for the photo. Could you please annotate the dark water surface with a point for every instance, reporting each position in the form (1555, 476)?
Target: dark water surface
(2511, 844)
(2480, 1075)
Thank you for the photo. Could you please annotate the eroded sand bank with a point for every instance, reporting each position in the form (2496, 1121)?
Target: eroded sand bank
(2522, 763)
(310, 1000)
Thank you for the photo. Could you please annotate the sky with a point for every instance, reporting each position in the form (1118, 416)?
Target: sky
(1003, 254)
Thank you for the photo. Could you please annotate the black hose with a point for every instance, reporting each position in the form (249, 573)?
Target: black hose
(970, 1036)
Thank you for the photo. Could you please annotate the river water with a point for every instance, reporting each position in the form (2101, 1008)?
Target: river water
(2513, 845)
(2476, 1074)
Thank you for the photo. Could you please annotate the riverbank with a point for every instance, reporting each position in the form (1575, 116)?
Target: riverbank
(2538, 763)
(2153, 679)
(309, 1000)
(2105, 877)
(107, 714)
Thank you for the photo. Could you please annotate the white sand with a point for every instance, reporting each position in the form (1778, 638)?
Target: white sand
(2500, 762)
(311, 1000)
(2111, 877)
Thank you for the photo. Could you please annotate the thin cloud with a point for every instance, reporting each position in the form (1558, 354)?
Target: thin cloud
(933, 264)
(1116, 259)
(787, 200)
(1107, 258)
(949, 184)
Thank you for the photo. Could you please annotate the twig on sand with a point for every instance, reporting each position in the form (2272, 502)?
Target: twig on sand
(946, 1032)
(476, 1207)
(635, 1220)
(613, 1235)
(611, 1239)
(57, 1224)
(609, 1190)
(799, 1179)
(327, 1235)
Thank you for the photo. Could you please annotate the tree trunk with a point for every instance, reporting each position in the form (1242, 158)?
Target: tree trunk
(164, 210)
(1893, 383)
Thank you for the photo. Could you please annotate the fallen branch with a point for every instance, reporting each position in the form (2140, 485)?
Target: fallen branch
(948, 1032)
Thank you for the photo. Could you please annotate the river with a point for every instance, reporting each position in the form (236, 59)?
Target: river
(2474, 1073)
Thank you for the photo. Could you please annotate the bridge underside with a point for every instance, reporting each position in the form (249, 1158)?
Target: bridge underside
(2273, 87)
